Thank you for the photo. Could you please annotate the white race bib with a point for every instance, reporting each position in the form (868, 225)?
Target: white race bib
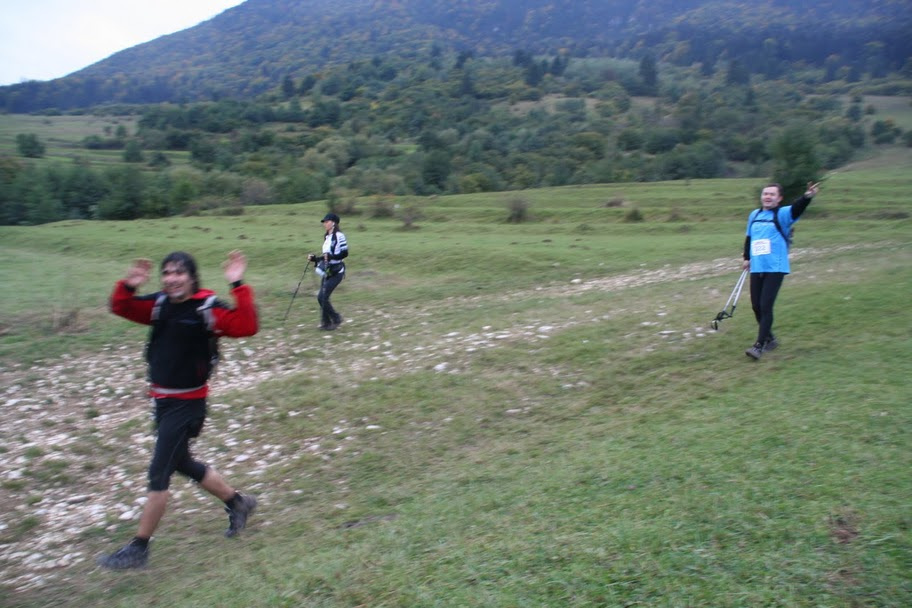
(760, 247)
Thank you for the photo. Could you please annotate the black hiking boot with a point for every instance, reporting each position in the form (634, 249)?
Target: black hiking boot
(755, 351)
(237, 515)
(128, 556)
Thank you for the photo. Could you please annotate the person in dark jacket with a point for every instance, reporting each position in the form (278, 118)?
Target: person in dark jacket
(186, 320)
(766, 254)
(331, 268)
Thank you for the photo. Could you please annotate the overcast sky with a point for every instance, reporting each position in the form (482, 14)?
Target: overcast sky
(46, 39)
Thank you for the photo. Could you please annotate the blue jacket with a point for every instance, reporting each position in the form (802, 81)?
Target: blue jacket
(764, 244)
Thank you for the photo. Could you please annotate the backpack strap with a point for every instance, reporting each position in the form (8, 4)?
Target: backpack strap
(156, 308)
(753, 216)
(205, 311)
(786, 237)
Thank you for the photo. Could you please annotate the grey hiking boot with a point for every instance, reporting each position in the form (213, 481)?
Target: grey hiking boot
(755, 351)
(237, 515)
(128, 556)
(771, 344)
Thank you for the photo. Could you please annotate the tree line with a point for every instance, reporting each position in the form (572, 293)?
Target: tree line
(454, 123)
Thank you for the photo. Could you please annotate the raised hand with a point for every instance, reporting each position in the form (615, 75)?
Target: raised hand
(235, 266)
(138, 273)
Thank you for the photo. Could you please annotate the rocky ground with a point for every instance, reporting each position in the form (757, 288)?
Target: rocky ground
(75, 433)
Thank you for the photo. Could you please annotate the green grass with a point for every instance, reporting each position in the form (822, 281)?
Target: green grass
(63, 138)
(898, 109)
(604, 449)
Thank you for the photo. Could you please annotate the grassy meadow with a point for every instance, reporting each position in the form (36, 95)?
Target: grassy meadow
(63, 137)
(533, 414)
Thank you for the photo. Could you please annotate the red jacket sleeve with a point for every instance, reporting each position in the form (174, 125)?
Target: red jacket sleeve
(240, 321)
(124, 303)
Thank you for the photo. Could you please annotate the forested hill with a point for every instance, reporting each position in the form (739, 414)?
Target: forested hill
(253, 47)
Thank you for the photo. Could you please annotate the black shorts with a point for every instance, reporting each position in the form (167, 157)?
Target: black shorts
(178, 421)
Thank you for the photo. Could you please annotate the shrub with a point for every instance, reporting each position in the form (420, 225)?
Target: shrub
(885, 131)
(409, 215)
(214, 205)
(518, 210)
(633, 215)
(29, 145)
(382, 208)
(256, 192)
(133, 152)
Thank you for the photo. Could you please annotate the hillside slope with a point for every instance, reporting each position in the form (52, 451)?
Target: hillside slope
(250, 48)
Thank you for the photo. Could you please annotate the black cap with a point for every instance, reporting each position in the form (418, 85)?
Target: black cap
(330, 216)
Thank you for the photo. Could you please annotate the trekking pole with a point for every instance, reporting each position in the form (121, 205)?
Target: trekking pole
(732, 301)
(304, 274)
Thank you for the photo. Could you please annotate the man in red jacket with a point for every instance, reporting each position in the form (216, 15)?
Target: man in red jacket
(186, 321)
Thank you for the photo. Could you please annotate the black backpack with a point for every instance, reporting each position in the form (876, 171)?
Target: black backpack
(205, 313)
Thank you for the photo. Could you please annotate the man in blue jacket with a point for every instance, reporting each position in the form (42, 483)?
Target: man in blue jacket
(766, 254)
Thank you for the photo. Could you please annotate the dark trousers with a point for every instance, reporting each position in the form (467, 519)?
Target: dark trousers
(178, 421)
(764, 287)
(328, 314)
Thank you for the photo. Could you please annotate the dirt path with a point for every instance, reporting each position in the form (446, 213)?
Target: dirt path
(74, 435)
